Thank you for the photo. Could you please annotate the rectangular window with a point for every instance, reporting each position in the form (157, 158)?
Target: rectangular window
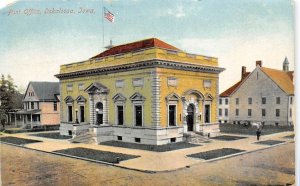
(226, 101)
(236, 112)
(173, 140)
(32, 105)
(263, 112)
(220, 112)
(291, 100)
(226, 112)
(277, 112)
(220, 101)
(70, 112)
(249, 101)
(207, 83)
(237, 101)
(138, 115)
(82, 114)
(172, 115)
(277, 100)
(137, 140)
(172, 81)
(119, 83)
(120, 109)
(263, 100)
(81, 86)
(290, 112)
(69, 87)
(55, 106)
(138, 82)
(249, 112)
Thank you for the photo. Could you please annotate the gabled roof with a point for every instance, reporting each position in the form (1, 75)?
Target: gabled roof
(291, 75)
(232, 89)
(138, 45)
(45, 91)
(281, 78)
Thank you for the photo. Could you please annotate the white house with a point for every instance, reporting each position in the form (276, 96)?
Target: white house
(224, 98)
(264, 95)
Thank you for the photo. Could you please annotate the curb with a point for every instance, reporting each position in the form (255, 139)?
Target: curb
(81, 158)
(147, 171)
(240, 153)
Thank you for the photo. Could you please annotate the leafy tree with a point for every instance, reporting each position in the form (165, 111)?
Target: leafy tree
(9, 95)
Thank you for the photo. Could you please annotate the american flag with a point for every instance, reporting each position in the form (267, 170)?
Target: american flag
(108, 15)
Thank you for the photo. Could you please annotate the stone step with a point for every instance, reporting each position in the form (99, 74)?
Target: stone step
(84, 138)
(196, 138)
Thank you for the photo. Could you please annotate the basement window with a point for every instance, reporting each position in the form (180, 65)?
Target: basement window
(137, 140)
(119, 138)
(173, 140)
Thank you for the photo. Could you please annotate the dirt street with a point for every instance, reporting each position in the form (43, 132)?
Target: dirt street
(271, 166)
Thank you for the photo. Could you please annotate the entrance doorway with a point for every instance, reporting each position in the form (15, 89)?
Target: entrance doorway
(99, 113)
(190, 117)
(207, 114)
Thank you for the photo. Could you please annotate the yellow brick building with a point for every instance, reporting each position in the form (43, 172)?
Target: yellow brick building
(143, 92)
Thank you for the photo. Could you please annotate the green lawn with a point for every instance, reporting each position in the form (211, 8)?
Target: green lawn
(241, 129)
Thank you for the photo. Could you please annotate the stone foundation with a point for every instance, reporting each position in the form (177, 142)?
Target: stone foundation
(151, 136)
(68, 129)
(211, 129)
(143, 135)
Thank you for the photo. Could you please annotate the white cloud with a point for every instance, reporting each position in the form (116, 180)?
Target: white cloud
(177, 12)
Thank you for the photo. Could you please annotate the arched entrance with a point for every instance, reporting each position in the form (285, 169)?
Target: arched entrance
(99, 113)
(190, 117)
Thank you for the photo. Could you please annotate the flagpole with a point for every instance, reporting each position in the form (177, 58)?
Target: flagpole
(103, 11)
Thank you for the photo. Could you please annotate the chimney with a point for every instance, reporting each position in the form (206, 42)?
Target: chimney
(243, 71)
(258, 63)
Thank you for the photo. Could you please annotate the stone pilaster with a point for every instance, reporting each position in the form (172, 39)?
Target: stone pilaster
(105, 110)
(92, 109)
(61, 113)
(217, 102)
(156, 102)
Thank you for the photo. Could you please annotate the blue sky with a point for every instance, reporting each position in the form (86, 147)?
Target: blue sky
(238, 32)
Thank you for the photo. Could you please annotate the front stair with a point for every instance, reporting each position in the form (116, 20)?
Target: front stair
(195, 138)
(87, 138)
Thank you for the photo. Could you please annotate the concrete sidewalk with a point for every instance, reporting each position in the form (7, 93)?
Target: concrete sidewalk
(159, 161)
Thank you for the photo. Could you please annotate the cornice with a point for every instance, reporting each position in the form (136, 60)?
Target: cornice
(153, 63)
